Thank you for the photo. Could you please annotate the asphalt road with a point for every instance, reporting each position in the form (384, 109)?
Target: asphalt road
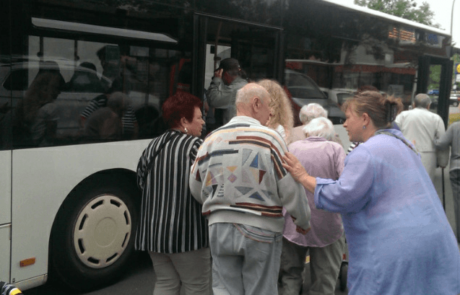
(139, 279)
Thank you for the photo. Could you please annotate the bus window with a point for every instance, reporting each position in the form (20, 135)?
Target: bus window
(143, 65)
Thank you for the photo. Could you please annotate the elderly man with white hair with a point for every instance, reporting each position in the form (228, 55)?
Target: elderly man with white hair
(239, 178)
(422, 128)
(321, 158)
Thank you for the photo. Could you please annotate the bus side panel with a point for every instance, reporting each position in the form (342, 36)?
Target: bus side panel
(5, 215)
(5, 252)
(42, 178)
(5, 187)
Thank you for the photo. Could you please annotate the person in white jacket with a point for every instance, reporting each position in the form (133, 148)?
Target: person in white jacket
(422, 128)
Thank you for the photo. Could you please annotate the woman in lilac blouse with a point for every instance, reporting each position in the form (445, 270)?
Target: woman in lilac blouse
(399, 239)
(324, 158)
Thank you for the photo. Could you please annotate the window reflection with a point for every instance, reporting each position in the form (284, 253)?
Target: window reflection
(67, 84)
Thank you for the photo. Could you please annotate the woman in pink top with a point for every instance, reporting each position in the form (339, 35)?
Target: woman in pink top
(323, 158)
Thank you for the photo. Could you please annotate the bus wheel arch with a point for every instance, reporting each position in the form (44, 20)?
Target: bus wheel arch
(92, 237)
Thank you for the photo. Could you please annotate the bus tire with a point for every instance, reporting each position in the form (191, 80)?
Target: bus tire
(93, 235)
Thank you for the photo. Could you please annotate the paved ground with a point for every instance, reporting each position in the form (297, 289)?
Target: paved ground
(138, 280)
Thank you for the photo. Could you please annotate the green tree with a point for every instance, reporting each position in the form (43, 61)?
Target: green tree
(407, 9)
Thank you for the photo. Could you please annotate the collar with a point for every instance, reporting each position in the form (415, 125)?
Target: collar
(315, 138)
(245, 119)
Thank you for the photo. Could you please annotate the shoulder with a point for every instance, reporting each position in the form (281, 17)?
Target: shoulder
(455, 125)
(239, 82)
(335, 145)
(196, 141)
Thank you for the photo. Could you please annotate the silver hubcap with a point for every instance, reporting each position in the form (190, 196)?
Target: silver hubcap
(102, 231)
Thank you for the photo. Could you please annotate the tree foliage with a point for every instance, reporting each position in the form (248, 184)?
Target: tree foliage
(407, 9)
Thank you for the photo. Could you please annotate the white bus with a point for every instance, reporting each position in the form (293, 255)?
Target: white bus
(68, 197)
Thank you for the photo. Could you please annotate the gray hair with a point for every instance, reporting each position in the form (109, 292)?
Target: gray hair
(249, 91)
(310, 111)
(321, 127)
(422, 100)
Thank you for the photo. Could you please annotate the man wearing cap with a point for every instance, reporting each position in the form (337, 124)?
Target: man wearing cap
(226, 82)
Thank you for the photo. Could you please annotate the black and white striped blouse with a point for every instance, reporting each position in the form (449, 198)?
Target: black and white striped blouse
(170, 219)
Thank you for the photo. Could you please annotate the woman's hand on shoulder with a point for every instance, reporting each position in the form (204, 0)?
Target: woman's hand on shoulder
(293, 166)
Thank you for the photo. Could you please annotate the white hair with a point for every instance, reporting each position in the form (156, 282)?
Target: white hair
(422, 100)
(249, 91)
(310, 111)
(321, 127)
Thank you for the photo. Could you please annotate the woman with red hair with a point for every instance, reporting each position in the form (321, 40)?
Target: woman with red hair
(171, 226)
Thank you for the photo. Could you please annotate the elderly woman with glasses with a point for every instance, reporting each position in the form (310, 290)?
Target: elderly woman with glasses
(399, 239)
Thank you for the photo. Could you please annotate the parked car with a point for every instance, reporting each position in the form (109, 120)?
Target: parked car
(304, 90)
(79, 85)
(454, 99)
(433, 92)
(338, 95)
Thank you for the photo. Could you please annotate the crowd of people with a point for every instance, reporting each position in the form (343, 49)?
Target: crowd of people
(237, 212)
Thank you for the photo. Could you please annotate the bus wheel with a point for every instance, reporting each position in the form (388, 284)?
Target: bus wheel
(93, 235)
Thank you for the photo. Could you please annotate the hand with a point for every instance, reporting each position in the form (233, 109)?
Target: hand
(302, 231)
(218, 73)
(294, 167)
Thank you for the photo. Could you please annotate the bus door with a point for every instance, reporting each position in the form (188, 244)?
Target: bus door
(434, 78)
(257, 48)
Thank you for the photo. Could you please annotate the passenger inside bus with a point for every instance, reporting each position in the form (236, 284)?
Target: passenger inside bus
(129, 122)
(105, 123)
(84, 80)
(228, 79)
(36, 116)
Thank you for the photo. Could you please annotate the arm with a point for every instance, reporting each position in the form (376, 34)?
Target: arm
(195, 181)
(445, 140)
(350, 193)
(141, 166)
(294, 200)
(219, 95)
(442, 155)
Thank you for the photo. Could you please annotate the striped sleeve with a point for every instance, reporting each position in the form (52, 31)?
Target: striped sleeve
(95, 104)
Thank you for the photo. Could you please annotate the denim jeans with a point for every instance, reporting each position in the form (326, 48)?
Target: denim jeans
(187, 270)
(245, 259)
